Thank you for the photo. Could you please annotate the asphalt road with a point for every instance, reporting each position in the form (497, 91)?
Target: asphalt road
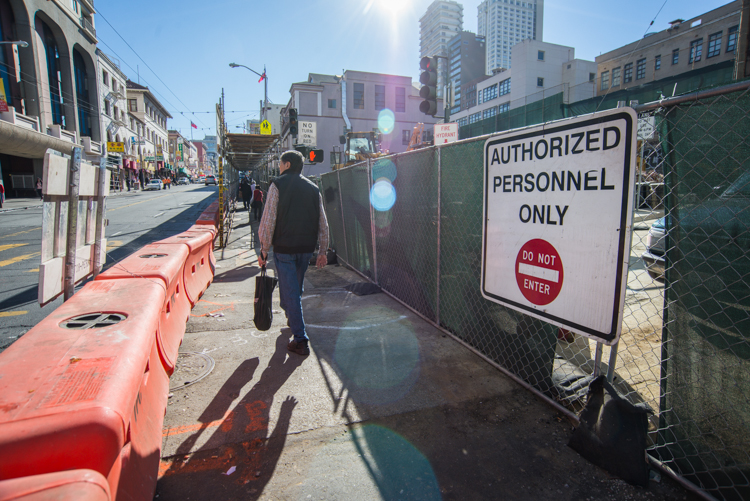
(135, 219)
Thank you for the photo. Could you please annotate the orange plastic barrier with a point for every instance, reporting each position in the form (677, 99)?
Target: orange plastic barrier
(210, 216)
(166, 263)
(200, 264)
(84, 485)
(85, 385)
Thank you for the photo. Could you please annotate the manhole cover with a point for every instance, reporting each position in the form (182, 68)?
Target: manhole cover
(93, 320)
(191, 367)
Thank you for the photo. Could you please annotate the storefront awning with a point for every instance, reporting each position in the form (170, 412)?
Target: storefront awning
(246, 151)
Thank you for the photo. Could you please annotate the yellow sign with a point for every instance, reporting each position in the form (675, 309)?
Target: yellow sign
(4, 99)
(116, 147)
(265, 127)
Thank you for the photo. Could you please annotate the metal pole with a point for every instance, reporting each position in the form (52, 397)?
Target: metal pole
(221, 174)
(265, 100)
(597, 359)
(439, 218)
(101, 202)
(72, 233)
(612, 361)
(343, 223)
(373, 233)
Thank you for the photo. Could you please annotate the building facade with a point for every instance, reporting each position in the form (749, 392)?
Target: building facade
(49, 81)
(700, 43)
(541, 70)
(212, 155)
(149, 111)
(437, 27)
(505, 23)
(466, 58)
(356, 101)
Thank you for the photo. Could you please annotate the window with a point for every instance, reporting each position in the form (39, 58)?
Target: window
(405, 136)
(540, 55)
(616, 77)
(732, 39)
(640, 69)
(489, 113)
(696, 50)
(475, 117)
(132, 105)
(539, 82)
(400, 99)
(592, 77)
(714, 45)
(504, 87)
(657, 62)
(488, 93)
(379, 97)
(675, 56)
(503, 108)
(107, 108)
(105, 78)
(628, 73)
(604, 80)
(462, 122)
(332, 104)
(359, 96)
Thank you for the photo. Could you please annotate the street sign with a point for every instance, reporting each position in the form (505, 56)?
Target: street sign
(558, 203)
(116, 147)
(446, 133)
(265, 128)
(308, 133)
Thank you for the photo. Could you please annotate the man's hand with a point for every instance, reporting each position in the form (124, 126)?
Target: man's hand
(321, 261)
(262, 260)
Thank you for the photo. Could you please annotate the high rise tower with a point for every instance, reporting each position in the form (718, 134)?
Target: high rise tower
(504, 23)
(437, 26)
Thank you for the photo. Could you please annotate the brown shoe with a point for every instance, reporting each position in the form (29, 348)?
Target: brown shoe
(300, 348)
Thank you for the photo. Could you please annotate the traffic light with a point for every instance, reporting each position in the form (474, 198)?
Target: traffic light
(293, 121)
(428, 79)
(315, 156)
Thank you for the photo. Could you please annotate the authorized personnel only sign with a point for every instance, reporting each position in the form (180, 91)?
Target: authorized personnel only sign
(557, 218)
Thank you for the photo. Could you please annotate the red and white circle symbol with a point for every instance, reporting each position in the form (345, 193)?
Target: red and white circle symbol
(539, 272)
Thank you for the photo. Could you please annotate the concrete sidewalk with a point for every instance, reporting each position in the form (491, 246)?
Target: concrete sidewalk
(385, 407)
(22, 203)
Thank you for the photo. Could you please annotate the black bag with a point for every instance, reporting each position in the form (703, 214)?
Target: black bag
(264, 286)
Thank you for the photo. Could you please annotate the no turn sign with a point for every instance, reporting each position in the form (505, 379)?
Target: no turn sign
(558, 201)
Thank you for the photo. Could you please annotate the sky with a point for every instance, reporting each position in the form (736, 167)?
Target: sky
(181, 49)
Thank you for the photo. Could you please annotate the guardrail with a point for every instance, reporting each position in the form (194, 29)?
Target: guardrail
(83, 394)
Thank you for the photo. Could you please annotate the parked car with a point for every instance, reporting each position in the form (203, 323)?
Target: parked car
(653, 258)
(211, 180)
(183, 180)
(154, 184)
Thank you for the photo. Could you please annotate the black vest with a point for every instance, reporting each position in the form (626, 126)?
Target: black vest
(297, 214)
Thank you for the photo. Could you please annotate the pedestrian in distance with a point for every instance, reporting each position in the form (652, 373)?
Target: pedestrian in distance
(39, 188)
(293, 223)
(257, 204)
(247, 193)
(252, 185)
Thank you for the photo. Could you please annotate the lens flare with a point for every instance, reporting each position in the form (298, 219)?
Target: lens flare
(386, 121)
(382, 195)
(384, 168)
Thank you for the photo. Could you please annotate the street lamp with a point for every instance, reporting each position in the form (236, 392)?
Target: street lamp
(262, 77)
(16, 42)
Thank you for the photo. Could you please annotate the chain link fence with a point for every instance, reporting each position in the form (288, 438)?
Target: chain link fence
(412, 223)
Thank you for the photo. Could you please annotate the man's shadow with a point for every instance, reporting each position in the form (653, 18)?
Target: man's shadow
(240, 437)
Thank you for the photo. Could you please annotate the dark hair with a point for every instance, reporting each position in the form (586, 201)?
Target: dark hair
(295, 159)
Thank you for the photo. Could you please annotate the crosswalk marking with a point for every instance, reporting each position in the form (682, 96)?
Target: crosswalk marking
(10, 246)
(19, 258)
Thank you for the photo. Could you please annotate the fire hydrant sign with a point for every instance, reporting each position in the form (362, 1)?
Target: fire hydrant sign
(558, 203)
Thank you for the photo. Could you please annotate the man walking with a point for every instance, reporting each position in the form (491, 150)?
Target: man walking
(293, 222)
(246, 192)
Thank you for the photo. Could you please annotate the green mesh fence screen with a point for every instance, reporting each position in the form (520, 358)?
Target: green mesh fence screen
(705, 423)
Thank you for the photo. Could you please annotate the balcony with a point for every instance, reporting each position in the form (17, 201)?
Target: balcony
(91, 147)
(88, 26)
(12, 116)
(60, 133)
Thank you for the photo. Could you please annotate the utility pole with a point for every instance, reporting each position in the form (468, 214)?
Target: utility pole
(740, 54)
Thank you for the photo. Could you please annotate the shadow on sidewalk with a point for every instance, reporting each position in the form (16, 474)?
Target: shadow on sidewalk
(241, 447)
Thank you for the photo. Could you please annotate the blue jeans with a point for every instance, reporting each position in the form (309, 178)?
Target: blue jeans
(290, 269)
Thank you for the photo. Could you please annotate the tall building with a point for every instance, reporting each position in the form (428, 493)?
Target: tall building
(466, 53)
(504, 23)
(439, 24)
